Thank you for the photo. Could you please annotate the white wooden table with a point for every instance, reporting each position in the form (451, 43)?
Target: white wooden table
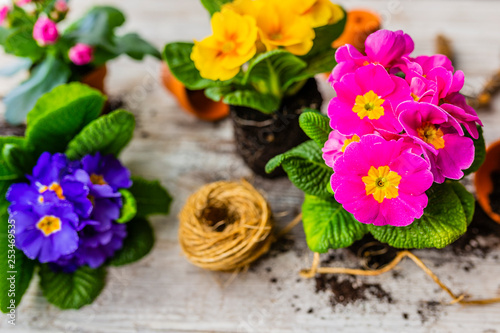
(164, 293)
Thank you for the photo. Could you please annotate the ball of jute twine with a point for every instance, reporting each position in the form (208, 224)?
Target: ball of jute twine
(225, 226)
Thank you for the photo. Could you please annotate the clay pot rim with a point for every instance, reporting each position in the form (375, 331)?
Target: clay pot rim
(483, 182)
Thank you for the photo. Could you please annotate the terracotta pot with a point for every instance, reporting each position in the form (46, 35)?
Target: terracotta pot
(193, 101)
(360, 24)
(95, 79)
(260, 137)
(484, 182)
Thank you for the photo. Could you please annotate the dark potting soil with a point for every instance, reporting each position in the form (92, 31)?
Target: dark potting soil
(495, 194)
(11, 130)
(260, 137)
(346, 290)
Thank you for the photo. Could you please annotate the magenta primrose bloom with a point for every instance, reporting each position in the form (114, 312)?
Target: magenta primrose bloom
(366, 101)
(399, 124)
(383, 47)
(336, 145)
(4, 11)
(45, 31)
(381, 183)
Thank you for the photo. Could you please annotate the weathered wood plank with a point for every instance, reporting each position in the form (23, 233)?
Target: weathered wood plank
(164, 292)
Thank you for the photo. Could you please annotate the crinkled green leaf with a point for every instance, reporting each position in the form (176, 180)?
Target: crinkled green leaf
(10, 166)
(214, 6)
(305, 168)
(60, 115)
(108, 134)
(274, 72)
(443, 222)
(328, 226)
(50, 73)
(129, 207)
(150, 196)
(466, 198)
(480, 152)
(253, 99)
(316, 126)
(178, 58)
(137, 244)
(74, 290)
(13, 264)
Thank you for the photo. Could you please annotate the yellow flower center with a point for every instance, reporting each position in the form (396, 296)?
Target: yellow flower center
(54, 187)
(228, 46)
(369, 105)
(347, 142)
(432, 135)
(97, 179)
(49, 225)
(382, 183)
(415, 97)
(276, 36)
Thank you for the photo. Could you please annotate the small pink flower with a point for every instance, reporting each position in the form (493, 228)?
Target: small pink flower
(366, 101)
(4, 11)
(382, 183)
(61, 6)
(383, 47)
(81, 54)
(45, 31)
(336, 145)
(22, 2)
(441, 138)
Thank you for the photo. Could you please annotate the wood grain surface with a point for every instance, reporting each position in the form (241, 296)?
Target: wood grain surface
(164, 293)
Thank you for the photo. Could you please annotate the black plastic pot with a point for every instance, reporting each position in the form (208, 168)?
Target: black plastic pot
(259, 137)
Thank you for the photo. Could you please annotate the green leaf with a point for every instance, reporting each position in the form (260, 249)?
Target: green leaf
(151, 197)
(325, 36)
(178, 58)
(96, 27)
(60, 115)
(274, 71)
(21, 44)
(329, 226)
(10, 169)
(44, 77)
(265, 103)
(137, 244)
(129, 207)
(306, 169)
(214, 6)
(21, 271)
(443, 222)
(480, 152)
(316, 126)
(72, 291)
(466, 198)
(136, 47)
(108, 134)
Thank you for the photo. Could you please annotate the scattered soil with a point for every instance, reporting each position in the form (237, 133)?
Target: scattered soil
(350, 290)
(260, 137)
(8, 130)
(482, 236)
(429, 310)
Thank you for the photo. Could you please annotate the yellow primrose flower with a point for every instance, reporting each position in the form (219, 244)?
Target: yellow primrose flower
(318, 12)
(279, 26)
(220, 56)
(245, 7)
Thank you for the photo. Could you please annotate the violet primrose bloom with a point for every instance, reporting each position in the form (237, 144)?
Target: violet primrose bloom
(67, 212)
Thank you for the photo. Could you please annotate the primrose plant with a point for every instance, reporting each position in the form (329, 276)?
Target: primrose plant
(387, 159)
